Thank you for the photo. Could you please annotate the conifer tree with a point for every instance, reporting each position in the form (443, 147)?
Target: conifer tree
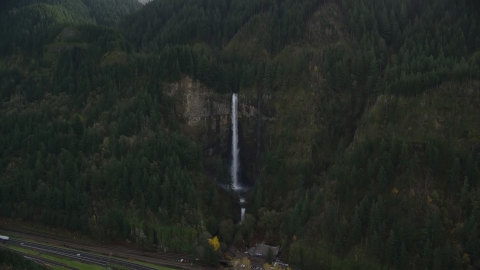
(404, 156)
(427, 253)
(437, 258)
(356, 229)
(465, 200)
(391, 248)
(330, 223)
(402, 258)
(382, 179)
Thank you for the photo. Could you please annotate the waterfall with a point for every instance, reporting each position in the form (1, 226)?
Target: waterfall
(235, 151)
(242, 210)
(235, 156)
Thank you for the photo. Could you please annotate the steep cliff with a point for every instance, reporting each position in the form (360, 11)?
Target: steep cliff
(358, 126)
(206, 116)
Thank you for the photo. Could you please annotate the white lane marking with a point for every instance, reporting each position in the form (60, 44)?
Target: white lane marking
(96, 259)
(93, 260)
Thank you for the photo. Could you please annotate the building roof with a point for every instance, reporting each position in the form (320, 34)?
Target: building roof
(262, 250)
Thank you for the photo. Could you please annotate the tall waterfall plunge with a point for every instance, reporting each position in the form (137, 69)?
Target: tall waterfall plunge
(235, 155)
(235, 151)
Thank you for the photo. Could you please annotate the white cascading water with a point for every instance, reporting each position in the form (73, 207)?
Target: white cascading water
(235, 151)
(242, 210)
(235, 155)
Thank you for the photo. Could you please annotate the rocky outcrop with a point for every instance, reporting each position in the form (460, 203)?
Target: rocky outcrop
(206, 116)
(201, 103)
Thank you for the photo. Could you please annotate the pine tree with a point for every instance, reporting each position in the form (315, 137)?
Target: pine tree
(258, 200)
(391, 248)
(382, 53)
(330, 223)
(167, 195)
(437, 229)
(375, 219)
(338, 242)
(414, 164)
(382, 179)
(404, 156)
(465, 201)
(210, 257)
(473, 244)
(448, 255)
(356, 230)
(38, 166)
(383, 146)
(427, 253)
(472, 170)
(375, 245)
(401, 259)
(437, 258)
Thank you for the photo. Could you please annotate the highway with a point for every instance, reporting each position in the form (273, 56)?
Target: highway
(166, 259)
(76, 255)
(47, 262)
(37, 258)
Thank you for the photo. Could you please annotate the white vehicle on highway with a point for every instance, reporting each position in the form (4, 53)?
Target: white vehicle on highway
(4, 238)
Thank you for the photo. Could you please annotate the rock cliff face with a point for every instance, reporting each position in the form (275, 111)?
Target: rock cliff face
(206, 116)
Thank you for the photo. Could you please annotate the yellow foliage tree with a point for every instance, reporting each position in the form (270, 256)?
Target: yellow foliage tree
(214, 243)
(246, 263)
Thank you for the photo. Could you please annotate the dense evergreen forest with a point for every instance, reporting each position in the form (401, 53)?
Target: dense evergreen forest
(90, 140)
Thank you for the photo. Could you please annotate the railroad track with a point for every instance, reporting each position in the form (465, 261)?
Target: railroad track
(166, 259)
(38, 259)
(77, 255)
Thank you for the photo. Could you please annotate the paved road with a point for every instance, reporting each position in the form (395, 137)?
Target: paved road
(37, 258)
(77, 255)
(46, 262)
(166, 259)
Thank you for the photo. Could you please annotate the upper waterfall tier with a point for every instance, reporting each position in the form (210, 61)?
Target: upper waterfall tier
(235, 151)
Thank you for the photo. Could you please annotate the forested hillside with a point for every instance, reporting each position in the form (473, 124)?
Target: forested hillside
(372, 159)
